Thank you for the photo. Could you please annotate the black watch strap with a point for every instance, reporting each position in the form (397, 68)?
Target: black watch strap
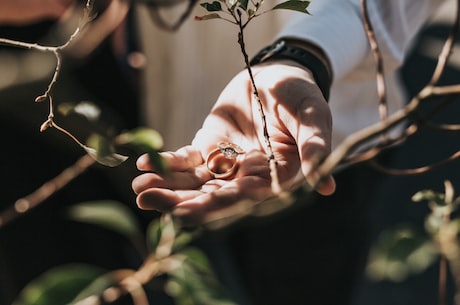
(282, 50)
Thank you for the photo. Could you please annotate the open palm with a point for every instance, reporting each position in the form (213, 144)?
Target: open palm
(298, 123)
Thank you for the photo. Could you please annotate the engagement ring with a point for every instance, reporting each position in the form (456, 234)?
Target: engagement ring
(230, 150)
(222, 161)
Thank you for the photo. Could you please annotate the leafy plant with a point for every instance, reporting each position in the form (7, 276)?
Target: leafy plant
(404, 251)
(167, 252)
(166, 247)
(59, 285)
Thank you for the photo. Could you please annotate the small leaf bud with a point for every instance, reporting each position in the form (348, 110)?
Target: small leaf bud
(41, 98)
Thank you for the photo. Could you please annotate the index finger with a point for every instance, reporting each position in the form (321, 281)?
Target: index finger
(184, 158)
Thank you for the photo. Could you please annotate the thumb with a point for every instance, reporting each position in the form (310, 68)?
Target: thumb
(326, 186)
(311, 152)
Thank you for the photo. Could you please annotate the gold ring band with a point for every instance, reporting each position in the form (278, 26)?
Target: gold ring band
(222, 161)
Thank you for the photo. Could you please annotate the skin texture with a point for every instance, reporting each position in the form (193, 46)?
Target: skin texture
(299, 123)
(23, 12)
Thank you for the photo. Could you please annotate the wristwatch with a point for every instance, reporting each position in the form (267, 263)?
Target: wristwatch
(283, 50)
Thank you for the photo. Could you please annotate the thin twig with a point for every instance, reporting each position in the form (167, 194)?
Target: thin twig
(275, 183)
(447, 49)
(25, 204)
(56, 50)
(381, 86)
(356, 139)
(415, 171)
(442, 280)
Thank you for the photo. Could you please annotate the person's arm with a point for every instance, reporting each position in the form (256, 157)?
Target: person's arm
(299, 124)
(298, 117)
(336, 27)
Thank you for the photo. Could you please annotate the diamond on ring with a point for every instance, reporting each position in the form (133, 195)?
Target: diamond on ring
(222, 162)
(230, 150)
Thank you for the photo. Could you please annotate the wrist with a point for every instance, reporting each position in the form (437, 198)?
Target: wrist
(309, 56)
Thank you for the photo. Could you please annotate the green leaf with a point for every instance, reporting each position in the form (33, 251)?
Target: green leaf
(207, 17)
(215, 6)
(184, 238)
(161, 232)
(101, 145)
(102, 150)
(198, 260)
(158, 162)
(144, 137)
(244, 4)
(100, 284)
(157, 229)
(110, 160)
(85, 108)
(111, 215)
(195, 283)
(294, 5)
(154, 234)
(145, 140)
(430, 196)
(161, 236)
(58, 285)
(400, 252)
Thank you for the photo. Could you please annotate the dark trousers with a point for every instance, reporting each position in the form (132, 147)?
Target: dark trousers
(312, 254)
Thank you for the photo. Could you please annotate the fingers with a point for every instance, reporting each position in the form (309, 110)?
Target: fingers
(185, 158)
(311, 156)
(327, 186)
(215, 199)
(163, 199)
(190, 179)
(314, 145)
(234, 198)
(157, 199)
(196, 203)
(300, 126)
(186, 172)
(200, 208)
(306, 116)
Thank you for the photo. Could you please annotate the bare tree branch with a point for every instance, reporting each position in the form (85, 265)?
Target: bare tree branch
(25, 204)
(414, 171)
(381, 86)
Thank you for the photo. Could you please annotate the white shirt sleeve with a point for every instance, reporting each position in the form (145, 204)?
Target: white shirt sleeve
(337, 27)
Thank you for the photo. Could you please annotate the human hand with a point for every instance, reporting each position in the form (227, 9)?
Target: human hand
(299, 124)
(23, 12)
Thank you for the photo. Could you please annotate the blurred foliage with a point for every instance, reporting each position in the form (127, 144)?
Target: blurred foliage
(404, 250)
(145, 140)
(103, 151)
(102, 144)
(111, 215)
(190, 277)
(140, 140)
(59, 285)
(400, 252)
(195, 283)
